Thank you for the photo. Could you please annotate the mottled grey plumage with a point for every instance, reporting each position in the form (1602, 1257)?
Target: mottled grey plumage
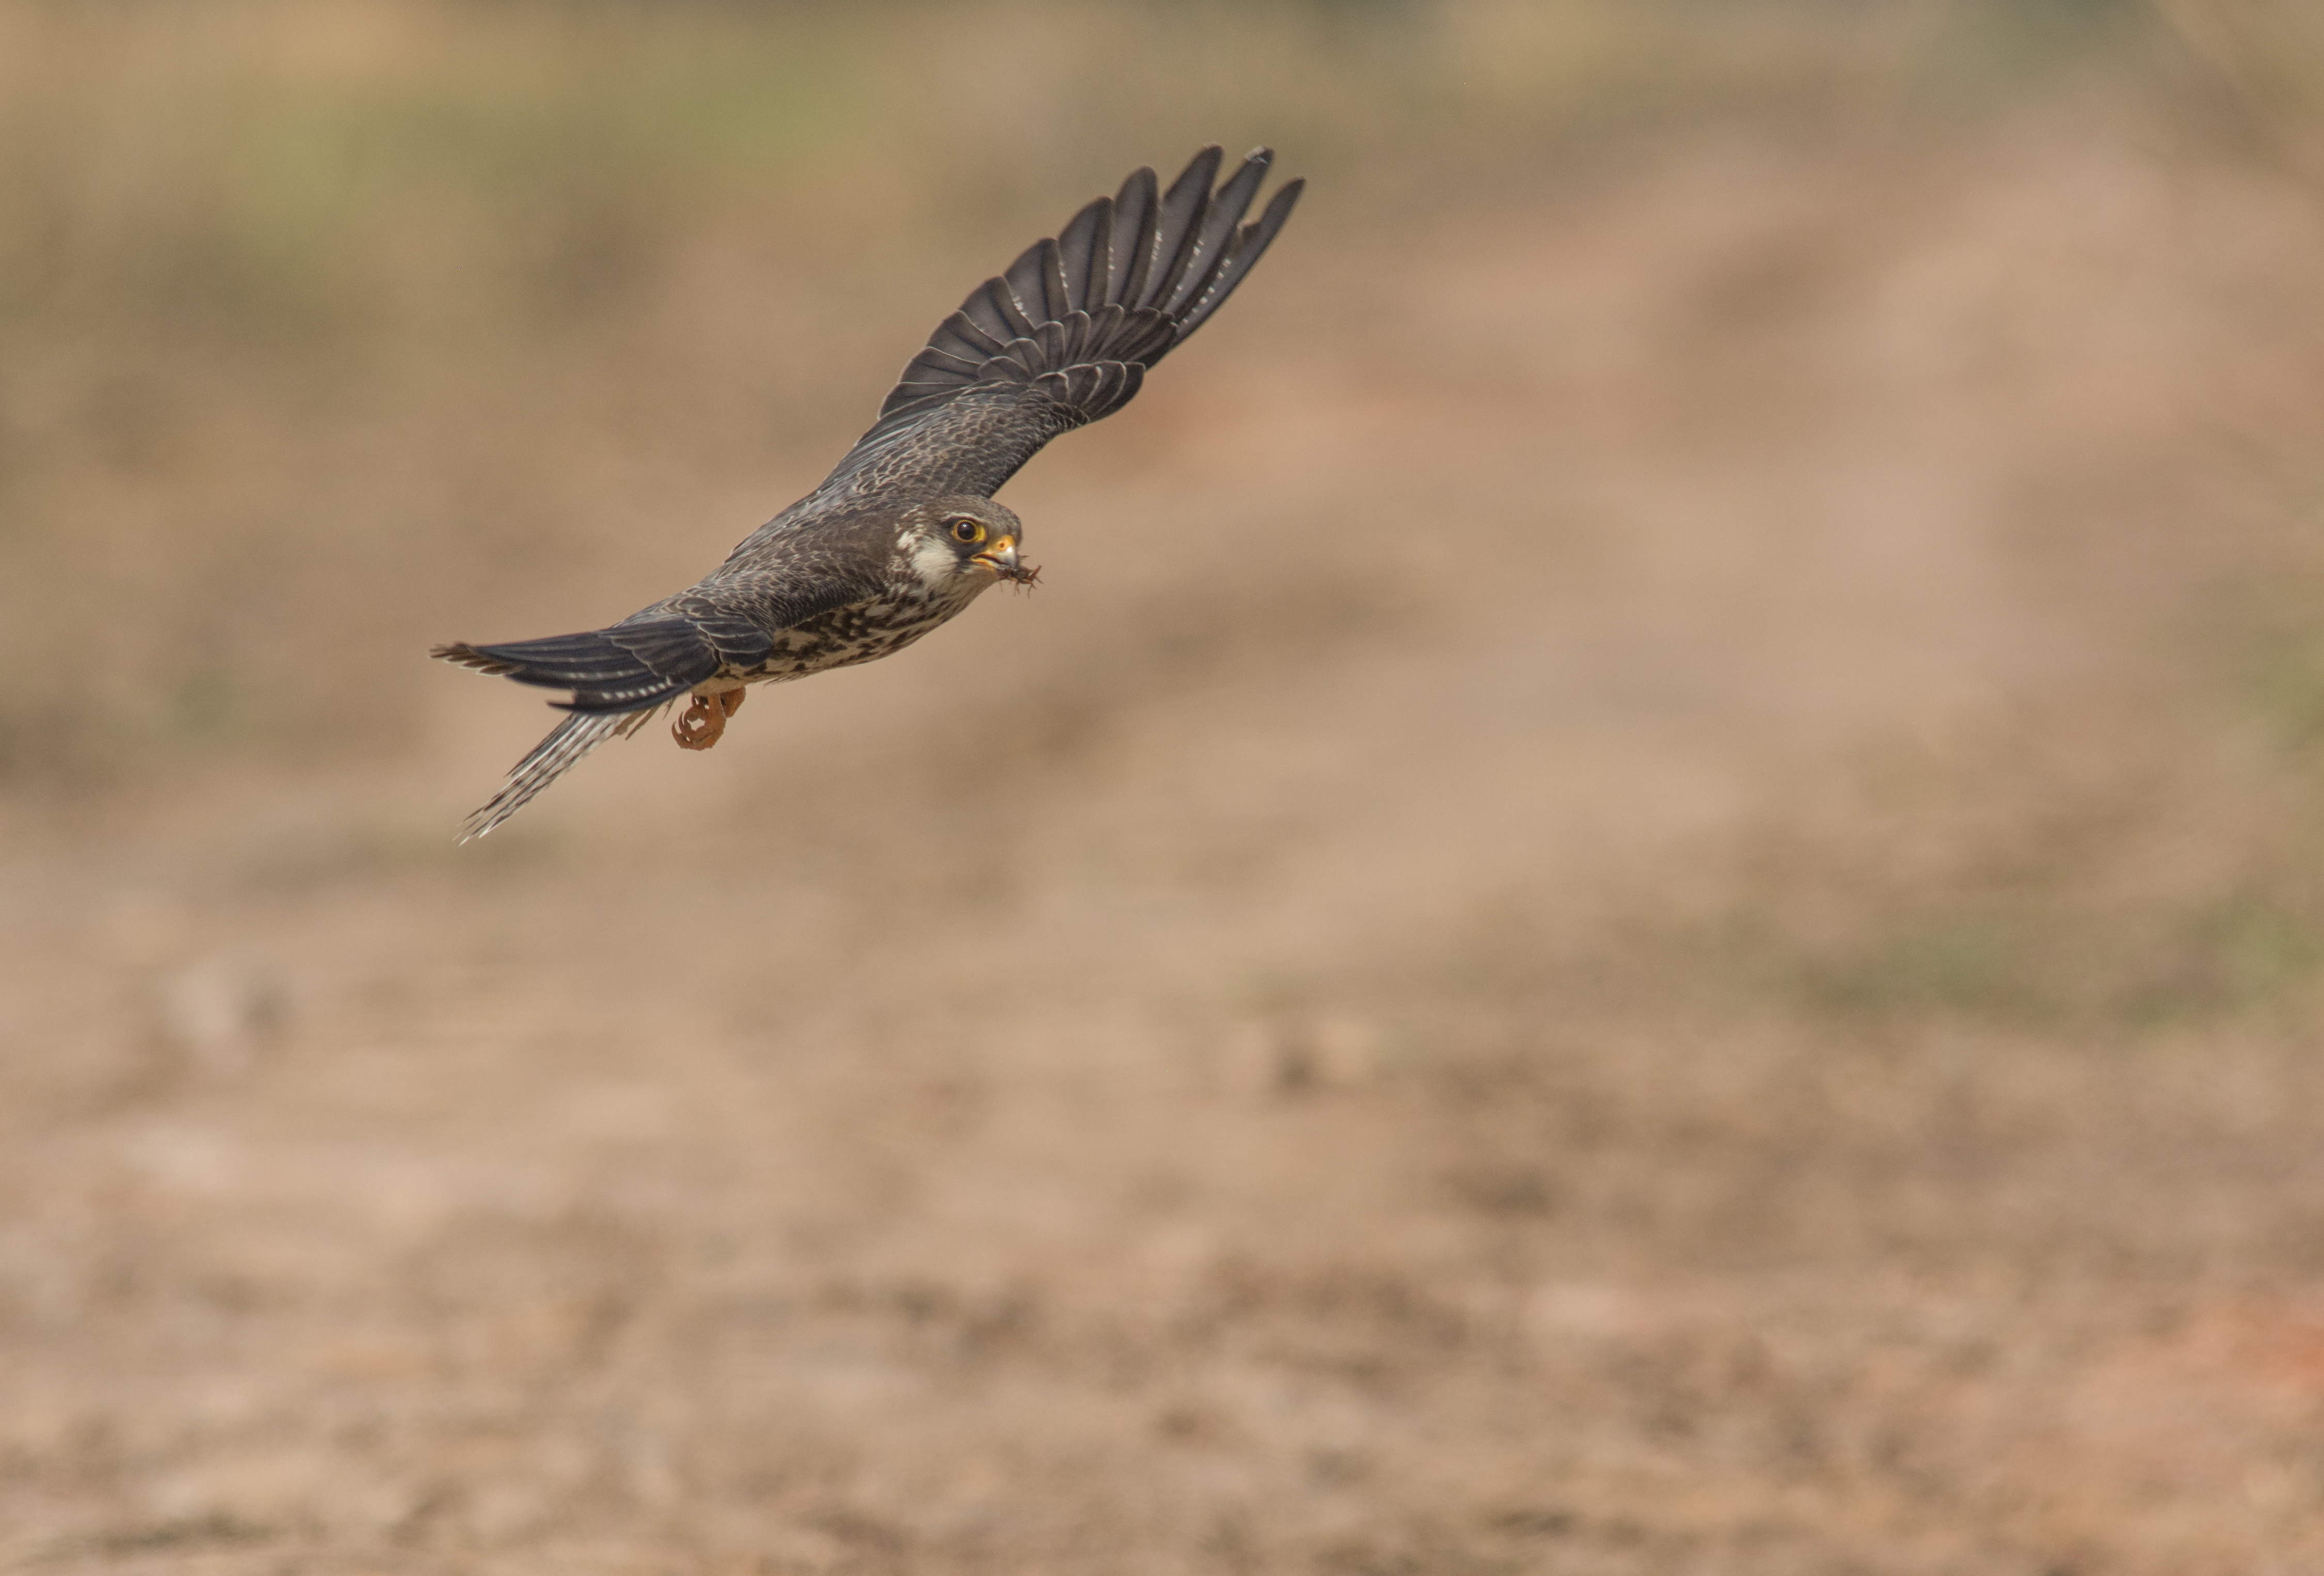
(904, 534)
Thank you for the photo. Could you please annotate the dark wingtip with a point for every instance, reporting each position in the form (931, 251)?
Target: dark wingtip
(461, 654)
(1272, 217)
(1207, 159)
(1113, 290)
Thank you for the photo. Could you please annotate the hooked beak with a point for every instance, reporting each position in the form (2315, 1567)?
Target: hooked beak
(1001, 557)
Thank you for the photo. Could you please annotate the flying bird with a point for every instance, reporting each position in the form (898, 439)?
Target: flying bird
(904, 534)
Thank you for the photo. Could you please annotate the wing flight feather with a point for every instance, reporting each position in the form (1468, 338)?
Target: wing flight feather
(1063, 335)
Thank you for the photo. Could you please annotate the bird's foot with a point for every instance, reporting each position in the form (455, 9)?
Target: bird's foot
(704, 723)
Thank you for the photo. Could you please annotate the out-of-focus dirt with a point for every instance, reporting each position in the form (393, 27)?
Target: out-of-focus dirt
(1639, 895)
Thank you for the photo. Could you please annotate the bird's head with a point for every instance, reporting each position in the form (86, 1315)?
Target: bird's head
(958, 543)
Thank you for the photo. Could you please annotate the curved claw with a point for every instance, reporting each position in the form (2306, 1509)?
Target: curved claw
(704, 723)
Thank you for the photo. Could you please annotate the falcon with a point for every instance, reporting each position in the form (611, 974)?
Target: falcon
(904, 534)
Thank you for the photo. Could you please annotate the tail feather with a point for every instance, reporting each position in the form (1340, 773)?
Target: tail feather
(620, 676)
(550, 758)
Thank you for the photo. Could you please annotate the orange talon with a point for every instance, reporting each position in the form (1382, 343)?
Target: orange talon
(704, 723)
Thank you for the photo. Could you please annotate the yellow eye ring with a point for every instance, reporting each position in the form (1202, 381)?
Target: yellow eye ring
(967, 531)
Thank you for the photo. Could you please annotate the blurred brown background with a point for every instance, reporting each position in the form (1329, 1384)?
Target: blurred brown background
(1645, 893)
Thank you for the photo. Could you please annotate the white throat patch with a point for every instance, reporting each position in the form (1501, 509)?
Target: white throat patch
(933, 563)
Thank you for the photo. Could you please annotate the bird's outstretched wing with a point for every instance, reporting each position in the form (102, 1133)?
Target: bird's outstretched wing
(728, 620)
(625, 667)
(1064, 338)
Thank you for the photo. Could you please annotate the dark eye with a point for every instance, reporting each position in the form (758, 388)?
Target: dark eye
(967, 530)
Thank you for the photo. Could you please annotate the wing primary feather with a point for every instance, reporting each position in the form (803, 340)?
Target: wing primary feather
(1081, 250)
(1134, 212)
(979, 317)
(1180, 227)
(997, 311)
(1226, 211)
(1027, 284)
(1249, 243)
(1053, 279)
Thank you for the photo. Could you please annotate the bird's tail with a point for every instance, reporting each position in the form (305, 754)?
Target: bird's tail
(550, 758)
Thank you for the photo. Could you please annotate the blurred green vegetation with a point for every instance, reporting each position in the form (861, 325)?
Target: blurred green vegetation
(2243, 953)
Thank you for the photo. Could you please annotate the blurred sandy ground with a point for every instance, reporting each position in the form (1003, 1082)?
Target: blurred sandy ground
(1646, 891)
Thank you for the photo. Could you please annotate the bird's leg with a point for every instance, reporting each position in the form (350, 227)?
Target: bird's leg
(704, 723)
(699, 725)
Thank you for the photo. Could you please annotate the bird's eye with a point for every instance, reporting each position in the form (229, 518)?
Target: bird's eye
(967, 530)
